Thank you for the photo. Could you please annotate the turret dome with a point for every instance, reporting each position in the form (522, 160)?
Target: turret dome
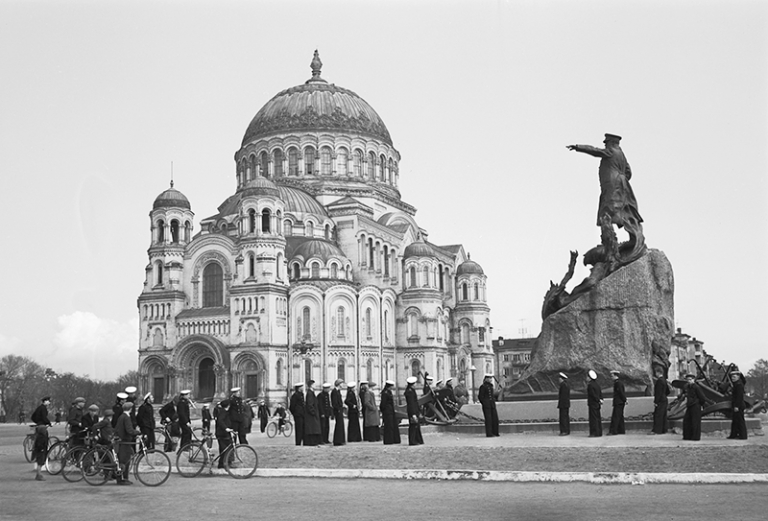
(469, 267)
(418, 249)
(171, 198)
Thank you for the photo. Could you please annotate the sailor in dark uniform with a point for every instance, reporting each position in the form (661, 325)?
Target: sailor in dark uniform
(619, 401)
(694, 399)
(353, 413)
(412, 408)
(660, 402)
(486, 397)
(296, 406)
(738, 424)
(594, 401)
(324, 407)
(564, 405)
(337, 406)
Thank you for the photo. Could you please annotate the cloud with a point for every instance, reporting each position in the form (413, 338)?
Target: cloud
(9, 345)
(99, 347)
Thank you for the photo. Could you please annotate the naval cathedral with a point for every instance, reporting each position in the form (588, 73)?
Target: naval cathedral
(314, 268)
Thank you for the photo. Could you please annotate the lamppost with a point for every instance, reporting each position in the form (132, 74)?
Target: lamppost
(474, 390)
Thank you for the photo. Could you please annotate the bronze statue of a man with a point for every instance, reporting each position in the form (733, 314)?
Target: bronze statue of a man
(617, 200)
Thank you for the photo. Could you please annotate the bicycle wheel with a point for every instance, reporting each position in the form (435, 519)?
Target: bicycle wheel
(191, 459)
(98, 466)
(287, 429)
(152, 468)
(72, 465)
(54, 459)
(28, 443)
(271, 429)
(160, 439)
(241, 462)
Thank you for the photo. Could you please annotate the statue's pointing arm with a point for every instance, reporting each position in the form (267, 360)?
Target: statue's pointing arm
(592, 151)
(628, 172)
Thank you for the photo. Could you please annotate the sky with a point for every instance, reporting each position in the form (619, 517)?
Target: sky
(480, 98)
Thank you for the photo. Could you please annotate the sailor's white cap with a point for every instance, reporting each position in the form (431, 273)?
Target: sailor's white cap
(592, 374)
(411, 380)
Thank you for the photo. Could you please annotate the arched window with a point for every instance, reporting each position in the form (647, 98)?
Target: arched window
(159, 273)
(187, 231)
(264, 167)
(386, 261)
(296, 271)
(465, 333)
(174, 231)
(334, 271)
(325, 161)
(440, 276)
(279, 266)
(305, 324)
(357, 163)
(251, 265)
(341, 369)
(309, 229)
(252, 221)
(213, 285)
(340, 322)
(371, 166)
(413, 326)
(425, 272)
(390, 171)
(371, 254)
(293, 161)
(287, 228)
(307, 369)
(160, 231)
(368, 323)
(464, 295)
(342, 157)
(416, 369)
(382, 166)
(386, 325)
(279, 371)
(327, 232)
(309, 161)
(266, 221)
(369, 369)
(277, 161)
(315, 270)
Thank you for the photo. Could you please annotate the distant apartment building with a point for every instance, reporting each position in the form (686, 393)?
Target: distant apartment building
(685, 348)
(512, 356)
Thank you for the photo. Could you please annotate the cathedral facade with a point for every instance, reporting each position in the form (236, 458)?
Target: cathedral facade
(314, 268)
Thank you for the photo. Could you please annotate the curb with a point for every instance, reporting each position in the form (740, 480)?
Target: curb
(602, 478)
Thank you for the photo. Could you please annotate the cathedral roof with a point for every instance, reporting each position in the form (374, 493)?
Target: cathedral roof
(295, 200)
(318, 248)
(299, 201)
(316, 105)
(418, 249)
(260, 186)
(469, 267)
(171, 198)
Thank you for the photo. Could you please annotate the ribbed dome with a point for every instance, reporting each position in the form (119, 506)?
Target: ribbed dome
(171, 198)
(261, 186)
(316, 105)
(299, 201)
(469, 267)
(418, 249)
(319, 248)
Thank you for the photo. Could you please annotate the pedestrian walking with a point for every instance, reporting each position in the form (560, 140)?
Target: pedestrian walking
(488, 400)
(738, 424)
(412, 409)
(337, 404)
(694, 399)
(206, 419)
(371, 431)
(353, 413)
(594, 401)
(127, 433)
(660, 402)
(262, 413)
(311, 417)
(324, 407)
(619, 401)
(387, 407)
(296, 406)
(40, 450)
(564, 405)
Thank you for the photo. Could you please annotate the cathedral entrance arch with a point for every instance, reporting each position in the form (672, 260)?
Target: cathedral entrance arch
(203, 367)
(249, 373)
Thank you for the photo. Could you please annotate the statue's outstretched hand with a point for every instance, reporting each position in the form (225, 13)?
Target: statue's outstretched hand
(570, 147)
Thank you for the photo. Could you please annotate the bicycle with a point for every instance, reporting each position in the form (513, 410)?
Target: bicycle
(240, 461)
(273, 427)
(28, 443)
(54, 459)
(151, 467)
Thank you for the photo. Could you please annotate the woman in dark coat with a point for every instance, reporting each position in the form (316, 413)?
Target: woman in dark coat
(694, 399)
(311, 418)
(337, 404)
(387, 407)
(353, 414)
(660, 403)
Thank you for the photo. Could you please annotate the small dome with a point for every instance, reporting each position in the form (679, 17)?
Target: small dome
(299, 201)
(319, 248)
(469, 267)
(171, 198)
(260, 186)
(418, 249)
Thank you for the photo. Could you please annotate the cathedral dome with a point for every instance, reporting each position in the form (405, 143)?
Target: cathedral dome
(316, 105)
(469, 267)
(171, 198)
(261, 186)
(418, 249)
(319, 248)
(299, 201)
